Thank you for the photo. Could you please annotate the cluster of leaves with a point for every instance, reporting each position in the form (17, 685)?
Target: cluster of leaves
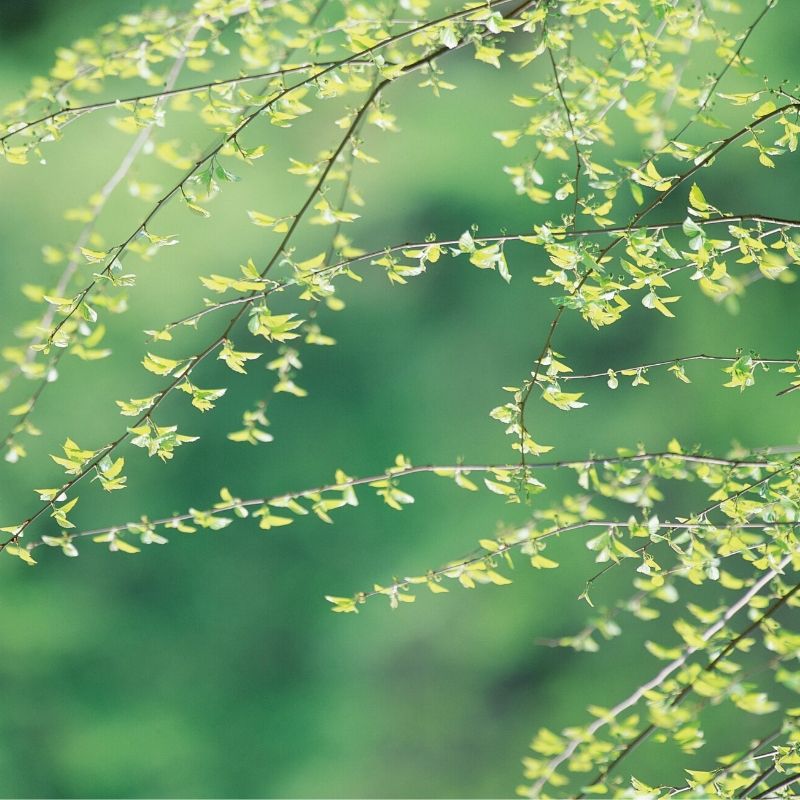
(600, 73)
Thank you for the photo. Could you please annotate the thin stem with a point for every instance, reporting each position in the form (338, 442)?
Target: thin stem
(658, 200)
(195, 360)
(141, 47)
(657, 679)
(573, 136)
(679, 360)
(554, 763)
(710, 93)
(633, 602)
(483, 240)
(70, 111)
(771, 790)
(482, 555)
(98, 206)
(750, 753)
(455, 468)
(730, 62)
(120, 249)
(684, 692)
(717, 505)
(760, 778)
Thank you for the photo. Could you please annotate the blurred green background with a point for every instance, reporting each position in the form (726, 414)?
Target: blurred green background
(213, 666)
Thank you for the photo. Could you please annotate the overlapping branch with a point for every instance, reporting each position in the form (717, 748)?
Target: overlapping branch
(194, 361)
(119, 250)
(658, 679)
(99, 203)
(660, 197)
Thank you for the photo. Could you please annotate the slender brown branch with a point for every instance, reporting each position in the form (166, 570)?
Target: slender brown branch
(189, 20)
(71, 111)
(197, 359)
(573, 136)
(99, 202)
(772, 791)
(118, 250)
(455, 468)
(645, 733)
(657, 201)
(695, 116)
(679, 360)
(728, 64)
(483, 240)
(659, 678)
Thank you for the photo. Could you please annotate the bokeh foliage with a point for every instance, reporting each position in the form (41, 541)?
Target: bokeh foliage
(212, 666)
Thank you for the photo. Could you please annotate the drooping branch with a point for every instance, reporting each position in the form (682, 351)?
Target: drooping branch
(116, 252)
(100, 199)
(660, 197)
(729, 647)
(631, 700)
(194, 361)
(557, 233)
(445, 470)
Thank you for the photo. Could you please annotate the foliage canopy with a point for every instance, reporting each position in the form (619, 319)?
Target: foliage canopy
(608, 126)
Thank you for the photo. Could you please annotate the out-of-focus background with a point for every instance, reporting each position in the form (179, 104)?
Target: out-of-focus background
(213, 666)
